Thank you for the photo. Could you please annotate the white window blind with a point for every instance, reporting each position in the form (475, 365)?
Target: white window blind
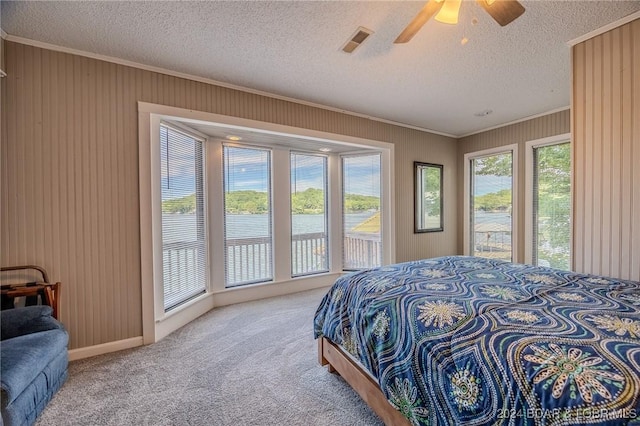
(361, 212)
(552, 206)
(248, 244)
(183, 219)
(492, 206)
(309, 242)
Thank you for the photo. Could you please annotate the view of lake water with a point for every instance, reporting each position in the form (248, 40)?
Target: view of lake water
(249, 260)
(182, 227)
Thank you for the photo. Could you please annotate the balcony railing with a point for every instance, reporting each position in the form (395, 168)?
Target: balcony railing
(249, 260)
(493, 244)
(183, 271)
(308, 253)
(362, 250)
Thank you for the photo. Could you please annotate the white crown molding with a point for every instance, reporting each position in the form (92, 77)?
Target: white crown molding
(520, 120)
(606, 28)
(125, 62)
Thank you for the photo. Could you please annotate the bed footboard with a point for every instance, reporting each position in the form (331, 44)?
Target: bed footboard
(360, 381)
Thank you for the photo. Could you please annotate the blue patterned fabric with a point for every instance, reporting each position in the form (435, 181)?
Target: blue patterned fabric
(466, 340)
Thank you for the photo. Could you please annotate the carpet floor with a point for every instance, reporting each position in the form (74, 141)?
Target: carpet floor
(253, 363)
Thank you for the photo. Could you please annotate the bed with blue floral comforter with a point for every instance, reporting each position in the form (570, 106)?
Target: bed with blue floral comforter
(465, 340)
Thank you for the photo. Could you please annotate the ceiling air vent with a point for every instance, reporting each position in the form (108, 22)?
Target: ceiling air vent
(356, 40)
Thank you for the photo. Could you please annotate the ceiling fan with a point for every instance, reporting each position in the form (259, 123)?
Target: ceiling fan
(503, 11)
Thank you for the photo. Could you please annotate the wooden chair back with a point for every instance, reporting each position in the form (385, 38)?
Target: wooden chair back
(48, 292)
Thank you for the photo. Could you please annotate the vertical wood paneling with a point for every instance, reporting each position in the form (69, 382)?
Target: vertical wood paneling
(635, 146)
(616, 155)
(537, 128)
(69, 175)
(606, 134)
(606, 103)
(412, 246)
(596, 170)
(577, 133)
(587, 211)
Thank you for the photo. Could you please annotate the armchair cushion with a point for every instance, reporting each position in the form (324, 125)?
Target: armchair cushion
(33, 362)
(28, 356)
(27, 320)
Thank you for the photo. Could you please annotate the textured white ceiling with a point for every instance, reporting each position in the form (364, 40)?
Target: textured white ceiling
(293, 49)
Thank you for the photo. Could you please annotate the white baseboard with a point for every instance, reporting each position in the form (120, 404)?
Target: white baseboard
(248, 293)
(204, 304)
(182, 316)
(105, 348)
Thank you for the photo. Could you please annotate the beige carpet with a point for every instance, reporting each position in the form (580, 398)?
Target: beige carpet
(249, 364)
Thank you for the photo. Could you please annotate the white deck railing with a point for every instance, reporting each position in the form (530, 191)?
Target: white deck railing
(308, 253)
(362, 250)
(249, 259)
(181, 262)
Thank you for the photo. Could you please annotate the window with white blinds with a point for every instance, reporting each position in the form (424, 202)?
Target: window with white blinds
(309, 242)
(361, 212)
(551, 244)
(184, 248)
(248, 241)
(491, 202)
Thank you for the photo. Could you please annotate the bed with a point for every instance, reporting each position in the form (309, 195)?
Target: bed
(466, 340)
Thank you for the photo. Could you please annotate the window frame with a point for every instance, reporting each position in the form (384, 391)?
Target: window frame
(384, 228)
(327, 214)
(271, 260)
(201, 169)
(156, 324)
(529, 187)
(468, 157)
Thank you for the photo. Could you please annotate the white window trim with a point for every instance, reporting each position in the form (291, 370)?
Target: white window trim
(383, 224)
(528, 200)
(155, 152)
(277, 177)
(156, 324)
(466, 228)
(326, 208)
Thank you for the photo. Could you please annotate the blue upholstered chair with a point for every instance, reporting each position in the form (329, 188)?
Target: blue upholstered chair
(33, 362)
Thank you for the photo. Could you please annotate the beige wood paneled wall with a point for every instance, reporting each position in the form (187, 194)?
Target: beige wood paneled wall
(69, 154)
(606, 154)
(520, 133)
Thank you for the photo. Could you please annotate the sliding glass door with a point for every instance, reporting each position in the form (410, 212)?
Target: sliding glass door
(492, 206)
(551, 242)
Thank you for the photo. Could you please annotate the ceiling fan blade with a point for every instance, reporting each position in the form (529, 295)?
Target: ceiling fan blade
(431, 8)
(503, 11)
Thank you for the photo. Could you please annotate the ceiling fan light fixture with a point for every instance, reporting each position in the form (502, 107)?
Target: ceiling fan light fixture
(449, 12)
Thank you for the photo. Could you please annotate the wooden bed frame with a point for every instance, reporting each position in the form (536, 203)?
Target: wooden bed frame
(360, 381)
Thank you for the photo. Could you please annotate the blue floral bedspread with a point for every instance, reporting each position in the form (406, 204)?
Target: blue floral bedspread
(465, 340)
